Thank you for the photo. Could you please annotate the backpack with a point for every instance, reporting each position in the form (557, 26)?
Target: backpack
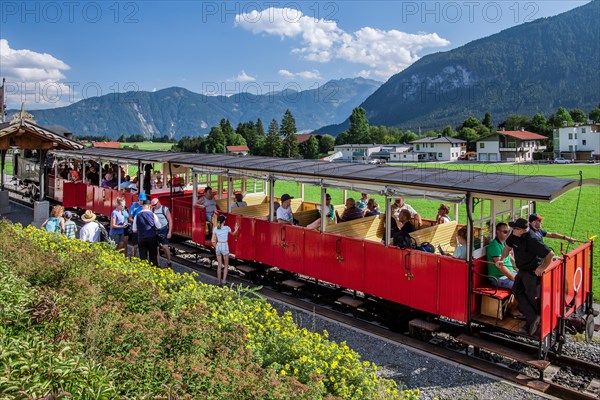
(427, 247)
(164, 213)
(52, 225)
(403, 240)
(104, 236)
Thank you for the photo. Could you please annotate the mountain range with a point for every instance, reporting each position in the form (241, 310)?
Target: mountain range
(178, 112)
(534, 67)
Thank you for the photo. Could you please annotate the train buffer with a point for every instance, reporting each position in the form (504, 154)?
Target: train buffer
(522, 357)
(418, 323)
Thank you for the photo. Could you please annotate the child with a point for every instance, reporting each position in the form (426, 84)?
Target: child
(219, 239)
(70, 227)
(55, 223)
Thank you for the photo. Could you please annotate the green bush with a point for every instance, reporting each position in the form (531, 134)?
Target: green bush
(141, 332)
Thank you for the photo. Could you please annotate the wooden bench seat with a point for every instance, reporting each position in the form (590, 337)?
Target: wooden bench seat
(250, 199)
(370, 228)
(437, 235)
(306, 217)
(257, 211)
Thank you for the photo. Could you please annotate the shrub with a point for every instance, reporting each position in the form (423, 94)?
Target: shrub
(149, 332)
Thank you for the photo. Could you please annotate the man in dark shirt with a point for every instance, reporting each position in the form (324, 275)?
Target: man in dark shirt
(532, 257)
(93, 176)
(535, 226)
(351, 212)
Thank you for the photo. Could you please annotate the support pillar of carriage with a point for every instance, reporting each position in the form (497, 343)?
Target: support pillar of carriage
(4, 203)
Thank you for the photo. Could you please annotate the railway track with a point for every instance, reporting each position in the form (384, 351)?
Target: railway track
(469, 356)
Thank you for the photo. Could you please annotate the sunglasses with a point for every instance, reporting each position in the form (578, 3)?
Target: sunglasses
(504, 231)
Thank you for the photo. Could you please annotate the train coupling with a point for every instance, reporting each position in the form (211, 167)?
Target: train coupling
(585, 325)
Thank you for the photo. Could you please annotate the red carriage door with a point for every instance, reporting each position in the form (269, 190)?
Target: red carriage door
(422, 273)
(288, 247)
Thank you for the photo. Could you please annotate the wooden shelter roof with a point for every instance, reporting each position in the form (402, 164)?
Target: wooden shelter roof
(24, 134)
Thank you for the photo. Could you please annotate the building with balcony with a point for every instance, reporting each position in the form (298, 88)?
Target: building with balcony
(358, 153)
(440, 148)
(511, 146)
(580, 142)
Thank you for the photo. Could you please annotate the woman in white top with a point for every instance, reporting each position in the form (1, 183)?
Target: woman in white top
(442, 216)
(219, 240)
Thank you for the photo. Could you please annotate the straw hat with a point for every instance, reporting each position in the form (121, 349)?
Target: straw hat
(89, 216)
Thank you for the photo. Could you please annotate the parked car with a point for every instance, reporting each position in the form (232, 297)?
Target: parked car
(593, 160)
(562, 160)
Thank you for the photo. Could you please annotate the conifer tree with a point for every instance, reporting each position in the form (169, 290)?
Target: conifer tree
(290, 139)
(272, 146)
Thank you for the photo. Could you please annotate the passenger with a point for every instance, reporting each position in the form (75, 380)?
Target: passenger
(442, 215)
(166, 222)
(92, 176)
(74, 176)
(532, 257)
(361, 204)
(70, 227)
(399, 204)
(351, 212)
(239, 201)
(372, 208)
(402, 227)
(276, 206)
(329, 210)
(209, 202)
(461, 244)
(505, 274)
(126, 183)
(145, 224)
(219, 240)
(90, 232)
(133, 187)
(284, 213)
(108, 182)
(119, 220)
(535, 227)
(56, 222)
(133, 211)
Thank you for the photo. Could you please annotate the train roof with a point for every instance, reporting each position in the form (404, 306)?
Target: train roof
(409, 181)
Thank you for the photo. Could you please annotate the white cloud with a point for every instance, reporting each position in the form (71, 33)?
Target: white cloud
(33, 78)
(242, 77)
(384, 52)
(314, 74)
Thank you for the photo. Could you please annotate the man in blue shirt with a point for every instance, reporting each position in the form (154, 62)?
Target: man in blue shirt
(535, 226)
(145, 224)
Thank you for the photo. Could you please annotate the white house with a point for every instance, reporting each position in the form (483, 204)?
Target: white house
(513, 146)
(440, 148)
(360, 153)
(577, 142)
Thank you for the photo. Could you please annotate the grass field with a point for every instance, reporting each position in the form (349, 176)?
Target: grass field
(149, 145)
(562, 216)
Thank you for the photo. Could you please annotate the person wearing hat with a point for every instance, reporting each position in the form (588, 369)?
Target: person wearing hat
(284, 213)
(70, 227)
(535, 226)
(145, 224)
(219, 240)
(90, 232)
(532, 257)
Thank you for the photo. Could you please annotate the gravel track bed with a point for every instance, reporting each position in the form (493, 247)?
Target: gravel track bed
(411, 369)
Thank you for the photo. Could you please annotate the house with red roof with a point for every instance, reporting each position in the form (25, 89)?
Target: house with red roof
(512, 146)
(238, 150)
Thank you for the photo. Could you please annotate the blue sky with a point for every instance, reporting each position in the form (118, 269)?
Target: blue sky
(55, 53)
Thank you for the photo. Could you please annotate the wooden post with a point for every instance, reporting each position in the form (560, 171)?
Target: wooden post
(456, 212)
(229, 192)
(388, 220)
(42, 174)
(302, 191)
(271, 198)
(2, 155)
(194, 187)
(323, 216)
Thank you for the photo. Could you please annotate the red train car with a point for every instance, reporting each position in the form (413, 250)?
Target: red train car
(358, 255)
